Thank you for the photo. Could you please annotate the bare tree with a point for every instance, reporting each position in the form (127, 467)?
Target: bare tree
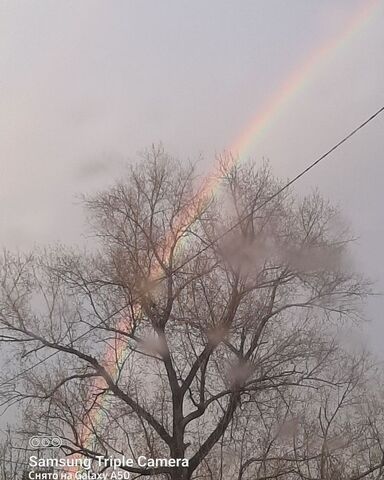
(198, 328)
(13, 460)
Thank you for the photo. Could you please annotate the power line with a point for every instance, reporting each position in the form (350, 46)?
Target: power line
(282, 189)
(218, 238)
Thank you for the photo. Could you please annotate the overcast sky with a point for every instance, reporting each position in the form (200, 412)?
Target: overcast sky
(85, 85)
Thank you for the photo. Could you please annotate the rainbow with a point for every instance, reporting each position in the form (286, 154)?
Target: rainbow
(299, 78)
(241, 149)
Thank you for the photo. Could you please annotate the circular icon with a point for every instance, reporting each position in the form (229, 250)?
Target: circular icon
(34, 442)
(45, 441)
(56, 442)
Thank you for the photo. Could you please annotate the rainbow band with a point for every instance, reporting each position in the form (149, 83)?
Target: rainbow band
(299, 78)
(241, 148)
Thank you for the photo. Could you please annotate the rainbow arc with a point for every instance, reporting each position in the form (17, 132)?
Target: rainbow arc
(241, 149)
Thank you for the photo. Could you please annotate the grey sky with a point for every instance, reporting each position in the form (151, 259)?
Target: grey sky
(85, 85)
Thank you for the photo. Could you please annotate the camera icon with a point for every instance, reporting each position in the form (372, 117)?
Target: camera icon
(44, 441)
